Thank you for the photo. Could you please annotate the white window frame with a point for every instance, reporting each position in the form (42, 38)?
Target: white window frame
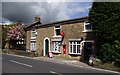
(74, 40)
(87, 41)
(86, 30)
(33, 31)
(53, 47)
(33, 45)
(55, 32)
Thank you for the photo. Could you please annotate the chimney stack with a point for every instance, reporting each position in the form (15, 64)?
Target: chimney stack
(37, 19)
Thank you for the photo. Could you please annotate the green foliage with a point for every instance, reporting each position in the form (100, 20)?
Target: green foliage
(111, 52)
(105, 18)
(5, 29)
(107, 52)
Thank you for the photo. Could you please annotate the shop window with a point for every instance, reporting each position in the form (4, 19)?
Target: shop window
(56, 46)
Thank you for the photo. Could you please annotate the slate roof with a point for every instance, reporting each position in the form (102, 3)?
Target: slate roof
(69, 21)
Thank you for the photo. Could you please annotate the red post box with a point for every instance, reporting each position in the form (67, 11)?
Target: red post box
(64, 49)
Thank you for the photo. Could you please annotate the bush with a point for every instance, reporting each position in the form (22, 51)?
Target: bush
(111, 52)
(38, 53)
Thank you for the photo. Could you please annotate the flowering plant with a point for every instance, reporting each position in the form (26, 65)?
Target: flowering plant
(16, 32)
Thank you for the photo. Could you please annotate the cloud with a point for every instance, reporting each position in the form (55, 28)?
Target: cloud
(48, 1)
(48, 11)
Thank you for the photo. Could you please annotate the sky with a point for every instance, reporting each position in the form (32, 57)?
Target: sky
(48, 11)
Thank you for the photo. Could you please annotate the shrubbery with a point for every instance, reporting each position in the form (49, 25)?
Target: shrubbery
(105, 18)
(111, 52)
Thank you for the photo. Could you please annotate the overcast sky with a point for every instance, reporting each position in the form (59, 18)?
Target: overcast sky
(48, 11)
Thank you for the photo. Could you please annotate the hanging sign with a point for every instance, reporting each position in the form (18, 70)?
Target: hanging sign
(62, 33)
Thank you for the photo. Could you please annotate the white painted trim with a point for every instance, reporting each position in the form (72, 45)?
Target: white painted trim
(55, 32)
(32, 33)
(82, 43)
(44, 45)
(76, 46)
(56, 40)
(85, 30)
(33, 37)
(53, 49)
(56, 52)
(87, 41)
(74, 39)
(75, 53)
(57, 36)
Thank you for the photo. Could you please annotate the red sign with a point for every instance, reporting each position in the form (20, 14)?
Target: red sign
(62, 33)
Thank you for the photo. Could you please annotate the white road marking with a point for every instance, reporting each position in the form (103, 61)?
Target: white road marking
(55, 72)
(21, 63)
(69, 64)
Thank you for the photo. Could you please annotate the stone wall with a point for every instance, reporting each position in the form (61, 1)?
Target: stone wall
(72, 31)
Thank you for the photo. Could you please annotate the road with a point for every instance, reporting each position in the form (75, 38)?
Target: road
(14, 64)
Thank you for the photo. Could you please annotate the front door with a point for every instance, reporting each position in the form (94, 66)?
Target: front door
(46, 47)
(87, 50)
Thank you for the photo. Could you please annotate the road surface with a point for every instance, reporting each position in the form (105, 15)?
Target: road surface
(14, 64)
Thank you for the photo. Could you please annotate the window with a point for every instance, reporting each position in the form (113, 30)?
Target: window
(87, 27)
(33, 45)
(33, 33)
(57, 30)
(56, 46)
(75, 47)
(20, 41)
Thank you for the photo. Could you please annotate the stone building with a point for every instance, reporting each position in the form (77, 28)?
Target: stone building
(71, 38)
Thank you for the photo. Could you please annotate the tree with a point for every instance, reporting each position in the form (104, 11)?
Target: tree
(5, 29)
(11, 34)
(105, 18)
(16, 32)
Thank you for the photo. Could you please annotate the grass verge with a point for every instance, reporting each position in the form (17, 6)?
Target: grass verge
(107, 66)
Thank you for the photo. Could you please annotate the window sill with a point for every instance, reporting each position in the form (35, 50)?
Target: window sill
(87, 31)
(57, 36)
(74, 53)
(33, 37)
(56, 52)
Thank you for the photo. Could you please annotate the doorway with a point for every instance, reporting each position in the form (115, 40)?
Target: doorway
(46, 46)
(87, 50)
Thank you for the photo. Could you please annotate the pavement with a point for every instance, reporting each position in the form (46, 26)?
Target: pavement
(69, 62)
